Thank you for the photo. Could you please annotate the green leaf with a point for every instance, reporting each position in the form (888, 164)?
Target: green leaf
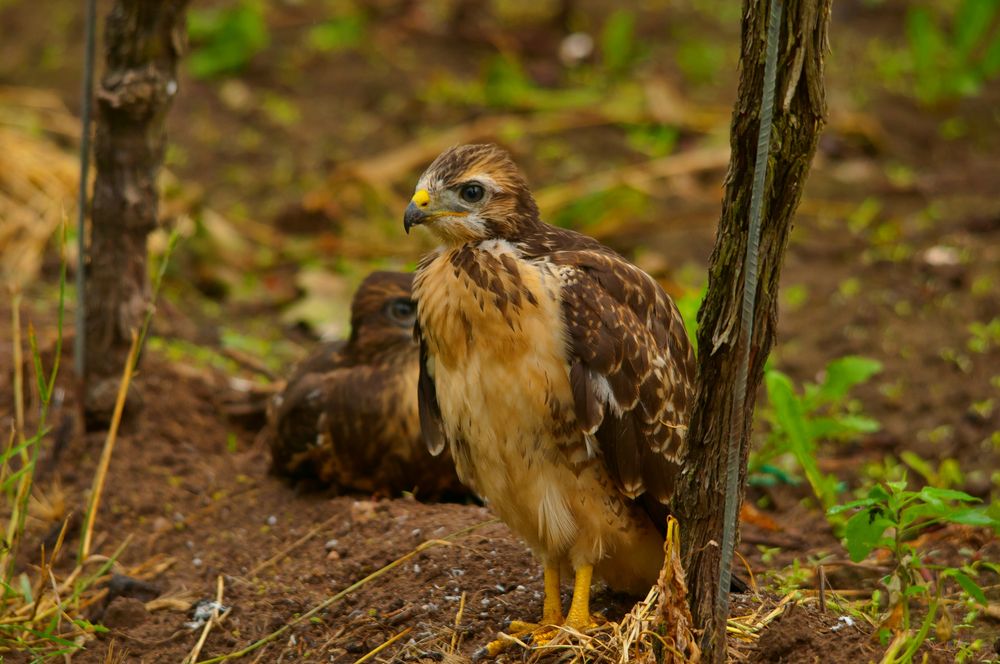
(896, 487)
(968, 585)
(842, 426)
(25, 584)
(974, 517)
(37, 359)
(854, 504)
(914, 461)
(972, 20)
(337, 34)
(931, 493)
(225, 39)
(925, 39)
(864, 532)
(989, 65)
(845, 373)
(618, 41)
(790, 416)
(878, 492)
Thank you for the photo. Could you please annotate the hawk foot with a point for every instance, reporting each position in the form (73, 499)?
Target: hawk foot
(529, 635)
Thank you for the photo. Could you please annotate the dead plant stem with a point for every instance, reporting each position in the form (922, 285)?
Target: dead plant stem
(213, 619)
(383, 646)
(109, 445)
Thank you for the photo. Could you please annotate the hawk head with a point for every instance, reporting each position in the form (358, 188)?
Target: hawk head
(382, 316)
(471, 193)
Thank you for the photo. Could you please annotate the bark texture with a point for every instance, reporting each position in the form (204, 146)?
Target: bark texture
(143, 42)
(799, 115)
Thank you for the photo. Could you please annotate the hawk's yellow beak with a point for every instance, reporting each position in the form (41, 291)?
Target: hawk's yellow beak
(416, 211)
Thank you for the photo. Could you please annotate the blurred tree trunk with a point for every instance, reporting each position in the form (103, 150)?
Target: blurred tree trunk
(799, 115)
(143, 41)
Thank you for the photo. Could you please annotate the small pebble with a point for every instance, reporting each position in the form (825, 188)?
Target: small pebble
(331, 544)
(941, 256)
(416, 568)
(575, 48)
(272, 520)
(196, 562)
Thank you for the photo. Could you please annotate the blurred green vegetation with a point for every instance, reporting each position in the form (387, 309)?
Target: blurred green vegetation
(225, 39)
(951, 50)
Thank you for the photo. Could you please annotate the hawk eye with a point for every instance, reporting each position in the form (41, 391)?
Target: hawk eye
(472, 192)
(402, 311)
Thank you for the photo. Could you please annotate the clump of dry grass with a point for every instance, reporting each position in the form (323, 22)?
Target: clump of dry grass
(37, 175)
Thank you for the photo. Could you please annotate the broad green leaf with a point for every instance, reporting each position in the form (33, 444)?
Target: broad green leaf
(931, 493)
(878, 492)
(968, 585)
(842, 426)
(854, 504)
(845, 373)
(914, 513)
(864, 532)
(974, 517)
(226, 38)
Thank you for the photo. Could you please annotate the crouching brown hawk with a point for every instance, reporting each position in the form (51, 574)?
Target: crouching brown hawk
(348, 414)
(558, 374)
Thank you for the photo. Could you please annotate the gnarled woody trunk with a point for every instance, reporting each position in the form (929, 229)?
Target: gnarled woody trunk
(143, 41)
(799, 115)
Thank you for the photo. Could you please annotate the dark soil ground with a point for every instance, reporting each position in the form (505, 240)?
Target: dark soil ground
(896, 255)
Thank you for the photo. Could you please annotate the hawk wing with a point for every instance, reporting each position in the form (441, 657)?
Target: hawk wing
(631, 368)
(431, 427)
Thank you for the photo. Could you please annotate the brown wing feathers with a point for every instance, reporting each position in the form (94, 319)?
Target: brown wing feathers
(430, 412)
(621, 342)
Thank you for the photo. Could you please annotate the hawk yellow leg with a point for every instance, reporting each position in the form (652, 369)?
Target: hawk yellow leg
(552, 606)
(579, 611)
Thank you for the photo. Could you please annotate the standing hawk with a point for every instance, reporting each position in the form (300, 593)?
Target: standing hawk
(348, 415)
(558, 374)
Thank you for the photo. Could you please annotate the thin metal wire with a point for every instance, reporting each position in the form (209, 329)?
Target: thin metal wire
(729, 525)
(86, 95)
